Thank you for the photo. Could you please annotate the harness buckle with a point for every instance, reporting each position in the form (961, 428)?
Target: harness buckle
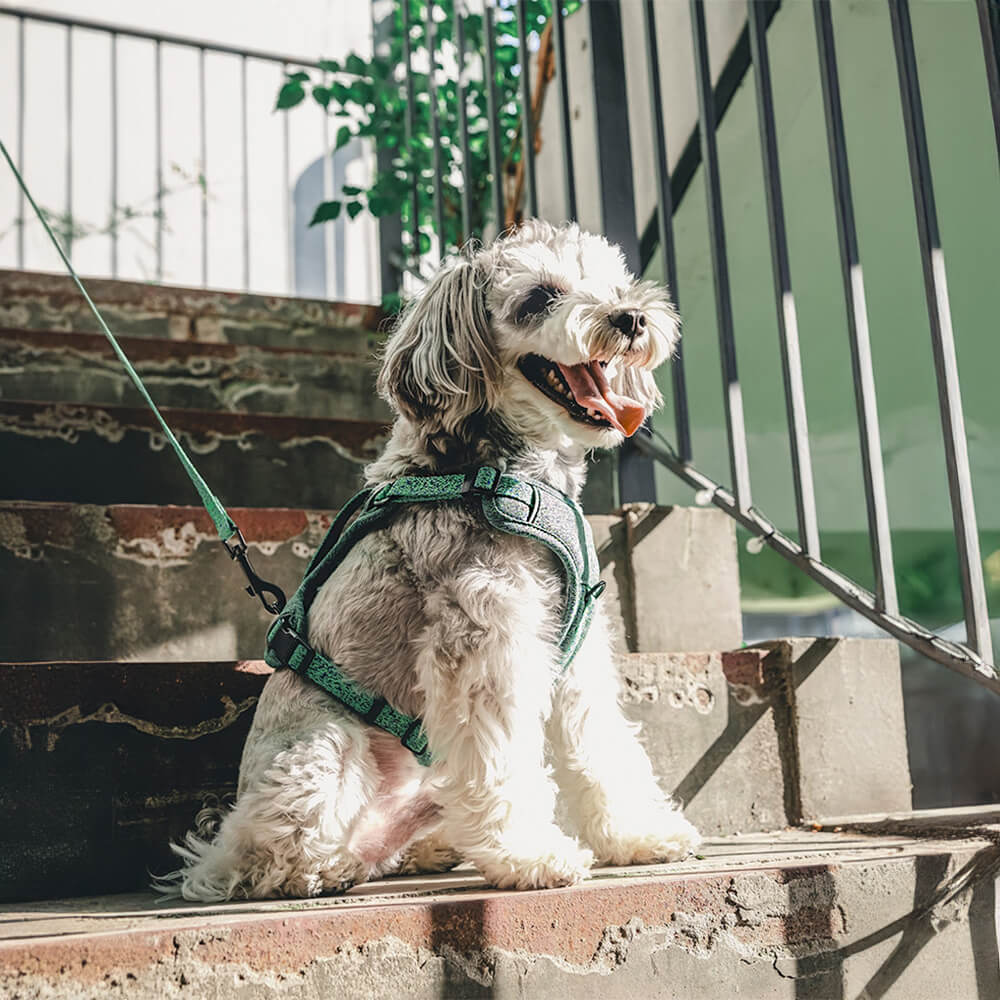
(405, 738)
(470, 487)
(269, 594)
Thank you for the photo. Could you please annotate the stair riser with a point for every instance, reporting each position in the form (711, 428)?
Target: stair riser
(120, 582)
(109, 455)
(38, 301)
(79, 368)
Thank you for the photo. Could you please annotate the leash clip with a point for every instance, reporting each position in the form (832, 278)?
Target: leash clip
(261, 589)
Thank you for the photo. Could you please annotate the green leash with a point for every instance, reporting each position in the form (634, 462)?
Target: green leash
(270, 595)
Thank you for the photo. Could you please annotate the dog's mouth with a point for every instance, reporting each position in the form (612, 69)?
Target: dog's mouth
(584, 392)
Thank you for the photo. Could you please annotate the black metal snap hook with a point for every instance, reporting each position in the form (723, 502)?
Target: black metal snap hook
(269, 594)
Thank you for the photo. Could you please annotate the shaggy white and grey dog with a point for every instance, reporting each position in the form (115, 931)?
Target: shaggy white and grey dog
(524, 355)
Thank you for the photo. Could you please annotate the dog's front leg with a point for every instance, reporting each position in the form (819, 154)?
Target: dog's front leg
(488, 690)
(613, 795)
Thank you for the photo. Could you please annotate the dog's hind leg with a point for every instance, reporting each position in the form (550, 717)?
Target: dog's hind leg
(605, 774)
(307, 774)
(428, 856)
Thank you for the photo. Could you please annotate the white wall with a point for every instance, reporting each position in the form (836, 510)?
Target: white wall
(309, 29)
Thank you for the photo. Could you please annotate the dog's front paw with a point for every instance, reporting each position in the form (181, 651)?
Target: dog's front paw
(555, 861)
(666, 836)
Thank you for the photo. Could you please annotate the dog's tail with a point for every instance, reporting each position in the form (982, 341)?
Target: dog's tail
(208, 873)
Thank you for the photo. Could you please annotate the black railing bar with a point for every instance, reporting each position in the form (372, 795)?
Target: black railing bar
(565, 110)
(409, 129)
(203, 179)
(20, 142)
(68, 240)
(286, 137)
(245, 172)
(788, 329)
(739, 464)
(665, 221)
(989, 28)
(158, 152)
(430, 40)
(963, 508)
(493, 115)
(951, 654)
(527, 118)
(872, 468)
(463, 122)
(166, 38)
(114, 156)
(730, 79)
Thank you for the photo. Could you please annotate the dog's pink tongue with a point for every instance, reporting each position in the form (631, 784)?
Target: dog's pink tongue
(591, 389)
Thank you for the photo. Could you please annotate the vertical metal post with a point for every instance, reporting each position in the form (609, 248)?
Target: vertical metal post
(788, 330)
(430, 39)
(463, 123)
(70, 225)
(963, 510)
(527, 119)
(989, 28)
(390, 225)
(245, 171)
(857, 318)
(493, 114)
(410, 128)
(158, 98)
(203, 130)
(636, 472)
(286, 139)
(21, 205)
(665, 221)
(328, 243)
(732, 391)
(565, 111)
(114, 154)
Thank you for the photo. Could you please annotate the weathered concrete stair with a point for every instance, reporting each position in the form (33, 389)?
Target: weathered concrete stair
(900, 910)
(126, 582)
(104, 763)
(43, 365)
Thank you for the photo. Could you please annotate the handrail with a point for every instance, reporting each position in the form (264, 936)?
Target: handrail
(163, 37)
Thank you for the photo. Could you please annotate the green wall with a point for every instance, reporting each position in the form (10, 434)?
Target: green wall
(967, 186)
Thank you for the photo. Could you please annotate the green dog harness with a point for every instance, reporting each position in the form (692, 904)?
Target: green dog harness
(522, 507)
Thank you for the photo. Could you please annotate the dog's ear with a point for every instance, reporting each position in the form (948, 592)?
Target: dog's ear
(440, 365)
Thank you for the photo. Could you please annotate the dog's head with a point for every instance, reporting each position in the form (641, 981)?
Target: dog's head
(545, 329)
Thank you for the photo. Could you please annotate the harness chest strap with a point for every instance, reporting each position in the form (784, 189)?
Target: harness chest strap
(521, 507)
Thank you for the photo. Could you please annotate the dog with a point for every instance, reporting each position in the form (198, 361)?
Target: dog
(524, 355)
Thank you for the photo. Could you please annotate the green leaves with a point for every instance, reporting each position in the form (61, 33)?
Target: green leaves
(291, 93)
(326, 211)
(367, 96)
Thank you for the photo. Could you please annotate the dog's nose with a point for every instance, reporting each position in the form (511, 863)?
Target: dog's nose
(631, 322)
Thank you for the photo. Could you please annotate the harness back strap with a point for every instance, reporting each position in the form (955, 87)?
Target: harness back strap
(516, 506)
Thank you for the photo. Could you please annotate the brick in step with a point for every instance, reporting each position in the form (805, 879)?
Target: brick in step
(117, 454)
(801, 916)
(152, 582)
(38, 301)
(45, 366)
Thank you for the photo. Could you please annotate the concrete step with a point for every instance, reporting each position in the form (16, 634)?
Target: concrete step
(117, 454)
(152, 583)
(899, 911)
(39, 301)
(47, 366)
(104, 763)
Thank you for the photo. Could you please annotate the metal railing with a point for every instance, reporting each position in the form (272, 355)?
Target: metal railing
(22, 17)
(972, 658)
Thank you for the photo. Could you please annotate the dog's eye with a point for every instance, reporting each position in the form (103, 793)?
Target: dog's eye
(536, 302)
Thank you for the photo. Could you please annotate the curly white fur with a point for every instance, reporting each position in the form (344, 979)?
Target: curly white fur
(450, 621)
